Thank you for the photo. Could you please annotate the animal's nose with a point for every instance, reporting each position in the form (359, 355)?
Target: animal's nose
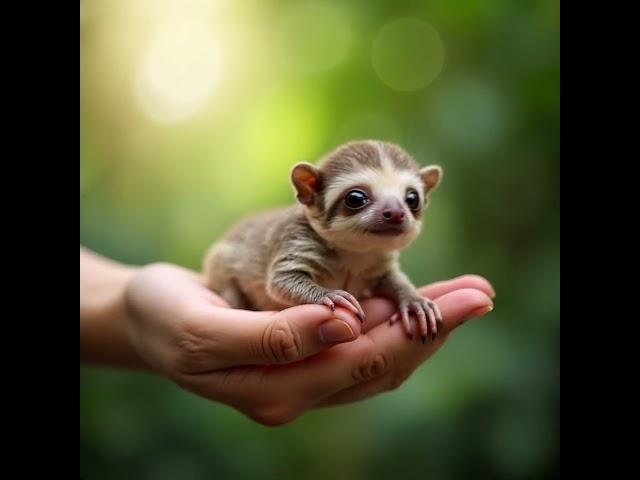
(393, 215)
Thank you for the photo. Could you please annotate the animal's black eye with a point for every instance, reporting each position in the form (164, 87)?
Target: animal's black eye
(356, 199)
(413, 200)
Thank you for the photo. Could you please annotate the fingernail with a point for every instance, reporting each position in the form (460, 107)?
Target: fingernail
(335, 331)
(479, 312)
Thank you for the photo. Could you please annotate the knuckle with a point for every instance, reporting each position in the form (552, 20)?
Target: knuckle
(273, 413)
(190, 353)
(370, 367)
(281, 343)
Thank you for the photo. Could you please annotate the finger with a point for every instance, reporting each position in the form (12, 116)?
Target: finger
(379, 310)
(226, 337)
(456, 308)
(292, 387)
(381, 351)
(437, 289)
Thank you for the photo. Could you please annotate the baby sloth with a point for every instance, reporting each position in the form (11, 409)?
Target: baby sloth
(357, 209)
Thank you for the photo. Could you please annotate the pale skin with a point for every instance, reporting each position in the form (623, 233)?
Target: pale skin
(271, 366)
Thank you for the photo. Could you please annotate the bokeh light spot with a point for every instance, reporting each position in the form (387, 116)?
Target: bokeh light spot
(316, 36)
(471, 116)
(407, 54)
(180, 71)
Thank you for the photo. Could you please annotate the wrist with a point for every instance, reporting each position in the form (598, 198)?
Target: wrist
(103, 338)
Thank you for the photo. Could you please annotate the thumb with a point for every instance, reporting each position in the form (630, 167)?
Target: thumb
(298, 332)
(267, 338)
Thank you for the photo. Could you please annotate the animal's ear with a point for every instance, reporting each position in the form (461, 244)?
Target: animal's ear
(431, 176)
(305, 179)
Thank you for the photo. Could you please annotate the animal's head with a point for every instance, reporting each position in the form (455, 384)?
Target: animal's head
(366, 195)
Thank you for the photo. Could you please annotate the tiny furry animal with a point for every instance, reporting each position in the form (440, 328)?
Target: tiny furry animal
(357, 208)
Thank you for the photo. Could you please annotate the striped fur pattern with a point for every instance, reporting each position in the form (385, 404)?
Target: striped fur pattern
(298, 254)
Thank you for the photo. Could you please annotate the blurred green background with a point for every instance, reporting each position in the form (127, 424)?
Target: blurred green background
(192, 113)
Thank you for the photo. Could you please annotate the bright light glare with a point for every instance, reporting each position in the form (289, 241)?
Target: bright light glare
(180, 70)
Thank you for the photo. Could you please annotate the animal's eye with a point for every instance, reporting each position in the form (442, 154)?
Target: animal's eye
(413, 200)
(356, 199)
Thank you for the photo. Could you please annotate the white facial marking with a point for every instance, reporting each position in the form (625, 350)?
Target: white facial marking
(384, 183)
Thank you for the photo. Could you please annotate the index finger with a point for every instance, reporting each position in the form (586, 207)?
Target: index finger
(456, 308)
(379, 310)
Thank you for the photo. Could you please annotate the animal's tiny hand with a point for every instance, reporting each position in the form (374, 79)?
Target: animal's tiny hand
(343, 299)
(426, 312)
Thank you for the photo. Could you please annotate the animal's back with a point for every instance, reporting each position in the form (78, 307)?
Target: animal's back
(236, 265)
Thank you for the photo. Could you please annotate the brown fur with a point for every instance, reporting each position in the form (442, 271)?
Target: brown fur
(294, 255)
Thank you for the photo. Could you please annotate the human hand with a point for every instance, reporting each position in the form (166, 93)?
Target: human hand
(273, 366)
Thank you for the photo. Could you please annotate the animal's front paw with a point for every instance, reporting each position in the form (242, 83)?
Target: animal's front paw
(343, 299)
(427, 315)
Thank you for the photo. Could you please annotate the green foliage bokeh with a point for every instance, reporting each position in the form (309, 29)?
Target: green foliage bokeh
(474, 87)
